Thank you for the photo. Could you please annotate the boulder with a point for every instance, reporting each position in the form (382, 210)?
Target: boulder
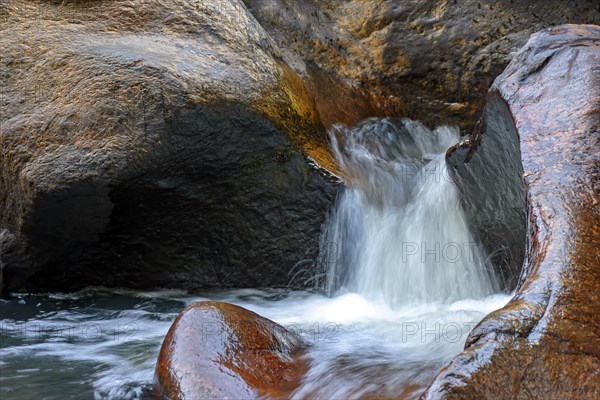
(218, 350)
(153, 144)
(546, 342)
(428, 60)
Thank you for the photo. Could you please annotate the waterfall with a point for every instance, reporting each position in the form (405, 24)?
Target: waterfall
(397, 233)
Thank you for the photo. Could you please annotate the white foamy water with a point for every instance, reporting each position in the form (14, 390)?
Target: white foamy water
(406, 284)
(398, 232)
(104, 345)
(361, 347)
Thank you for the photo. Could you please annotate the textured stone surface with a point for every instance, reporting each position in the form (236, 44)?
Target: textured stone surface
(423, 59)
(153, 144)
(546, 342)
(221, 351)
(158, 143)
(489, 175)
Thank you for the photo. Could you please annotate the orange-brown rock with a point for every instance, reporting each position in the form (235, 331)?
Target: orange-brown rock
(546, 342)
(431, 60)
(218, 350)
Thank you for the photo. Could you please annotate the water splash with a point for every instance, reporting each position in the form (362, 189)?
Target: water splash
(398, 232)
(388, 339)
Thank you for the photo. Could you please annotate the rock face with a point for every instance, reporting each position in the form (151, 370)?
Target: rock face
(488, 171)
(546, 342)
(423, 59)
(153, 144)
(163, 143)
(220, 351)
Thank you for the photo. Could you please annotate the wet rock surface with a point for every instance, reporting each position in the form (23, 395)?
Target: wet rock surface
(488, 171)
(155, 144)
(222, 351)
(119, 118)
(546, 342)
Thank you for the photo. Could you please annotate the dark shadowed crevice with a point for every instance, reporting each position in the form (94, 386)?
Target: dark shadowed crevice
(488, 171)
(227, 202)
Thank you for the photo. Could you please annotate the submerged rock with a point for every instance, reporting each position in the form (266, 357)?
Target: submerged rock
(546, 342)
(218, 350)
(153, 144)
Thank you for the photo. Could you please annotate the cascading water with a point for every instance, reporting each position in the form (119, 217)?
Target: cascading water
(398, 232)
(407, 284)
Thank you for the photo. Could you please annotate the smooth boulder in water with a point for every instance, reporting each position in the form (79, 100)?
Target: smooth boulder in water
(220, 350)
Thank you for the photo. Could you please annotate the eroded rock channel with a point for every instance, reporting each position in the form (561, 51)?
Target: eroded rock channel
(189, 146)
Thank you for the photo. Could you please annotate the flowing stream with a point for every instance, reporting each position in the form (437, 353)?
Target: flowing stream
(406, 283)
(398, 233)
